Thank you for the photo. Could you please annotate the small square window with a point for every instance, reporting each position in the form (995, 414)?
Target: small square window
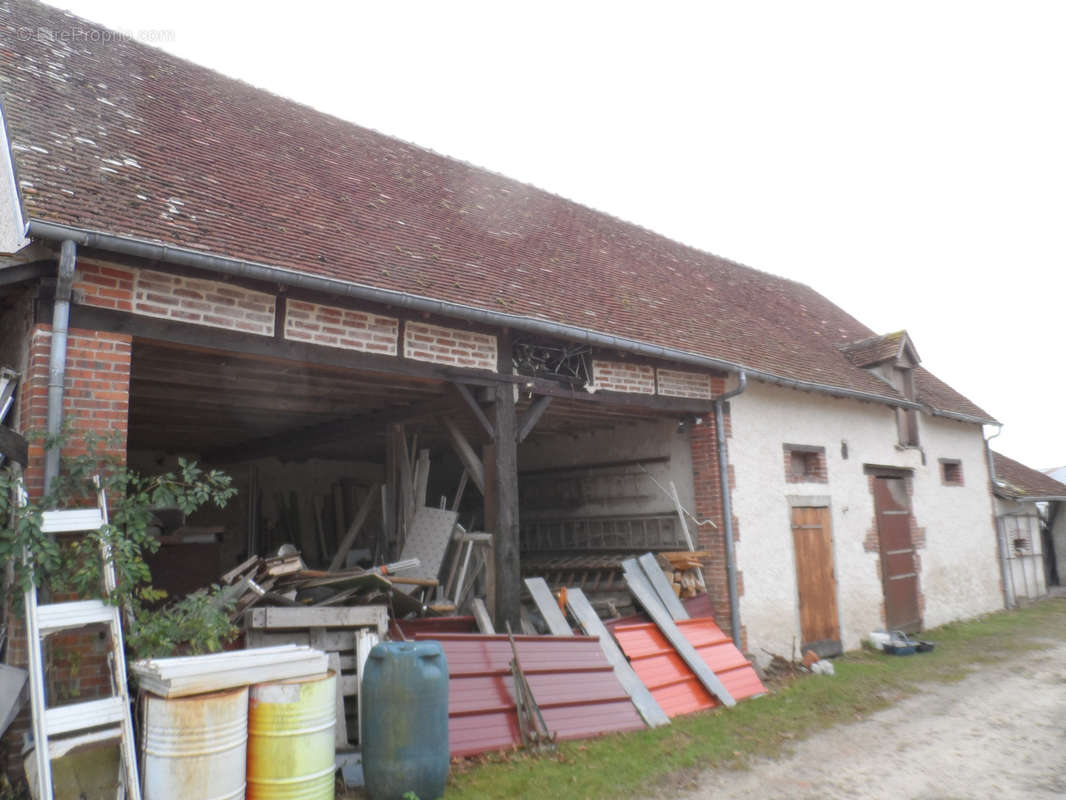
(805, 464)
(951, 472)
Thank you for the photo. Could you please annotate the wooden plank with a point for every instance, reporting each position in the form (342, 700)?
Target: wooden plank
(642, 590)
(684, 529)
(532, 416)
(460, 490)
(335, 640)
(361, 517)
(475, 409)
(481, 616)
(592, 625)
(340, 729)
(659, 582)
(474, 468)
(421, 477)
(548, 607)
(318, 617)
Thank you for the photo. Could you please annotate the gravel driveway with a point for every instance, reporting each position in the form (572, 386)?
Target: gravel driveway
(1000, 732)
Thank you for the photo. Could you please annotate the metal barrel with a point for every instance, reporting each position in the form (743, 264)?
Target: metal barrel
(194, 747)
(290, 739)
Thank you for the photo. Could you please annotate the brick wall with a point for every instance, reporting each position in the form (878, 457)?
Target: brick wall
(619, 376)
(457, 348)
(674, 383)
(158, 294)
(96, 398)
(708, 505)
(341, 327)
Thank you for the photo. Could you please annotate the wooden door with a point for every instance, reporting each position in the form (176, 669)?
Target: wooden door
(899, 567)
(816, 580)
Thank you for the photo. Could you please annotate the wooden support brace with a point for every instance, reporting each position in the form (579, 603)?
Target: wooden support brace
(532, 416)
(473, 465)
(357, 525)
(475, 409)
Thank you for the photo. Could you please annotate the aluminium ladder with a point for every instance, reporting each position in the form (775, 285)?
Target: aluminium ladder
(94, 720)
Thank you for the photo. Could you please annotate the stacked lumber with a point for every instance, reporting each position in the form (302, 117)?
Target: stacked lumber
(284, 580)
(188, 675)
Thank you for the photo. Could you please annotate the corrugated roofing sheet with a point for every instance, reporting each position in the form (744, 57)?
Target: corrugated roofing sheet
(671, 682)
(572, 682)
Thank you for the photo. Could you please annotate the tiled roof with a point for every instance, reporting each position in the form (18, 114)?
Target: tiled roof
(1017, 480)
(114, 136)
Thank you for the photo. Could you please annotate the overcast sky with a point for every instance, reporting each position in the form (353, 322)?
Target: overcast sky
(906, 159)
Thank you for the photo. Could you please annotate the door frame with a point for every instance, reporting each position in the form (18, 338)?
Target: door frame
(827, 647)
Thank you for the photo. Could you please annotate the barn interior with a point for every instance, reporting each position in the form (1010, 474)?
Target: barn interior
(315, 450)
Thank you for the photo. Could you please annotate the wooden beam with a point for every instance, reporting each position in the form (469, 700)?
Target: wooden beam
(101, 319)
(467, 455)
(532, 416)
(301, 440)
(475, 409)
(508, 572)
(13, 446)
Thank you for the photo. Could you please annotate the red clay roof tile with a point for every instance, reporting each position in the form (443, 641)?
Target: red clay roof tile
(1018, 480)
(110, 135)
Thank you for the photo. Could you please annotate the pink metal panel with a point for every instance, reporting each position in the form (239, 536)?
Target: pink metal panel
(571, 680)
(674, 686)
(669, 679)
(722, 656)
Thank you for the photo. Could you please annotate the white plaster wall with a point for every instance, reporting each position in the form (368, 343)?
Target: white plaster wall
(624, 442)
(959, 567)
(12, 225)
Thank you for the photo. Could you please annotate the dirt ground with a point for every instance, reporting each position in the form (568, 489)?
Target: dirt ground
(1000, 732)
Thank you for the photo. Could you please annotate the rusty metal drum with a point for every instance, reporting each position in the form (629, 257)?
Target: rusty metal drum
(194, 747)
(290, 739)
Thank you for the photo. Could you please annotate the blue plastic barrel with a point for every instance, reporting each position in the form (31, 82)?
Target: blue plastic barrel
(404, 733)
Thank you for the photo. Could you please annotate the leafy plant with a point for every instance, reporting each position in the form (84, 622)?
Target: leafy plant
(75, 566)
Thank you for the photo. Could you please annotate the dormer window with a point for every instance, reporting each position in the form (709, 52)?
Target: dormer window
(892, 358)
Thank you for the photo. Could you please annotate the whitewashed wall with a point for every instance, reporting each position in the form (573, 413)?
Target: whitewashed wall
(959, 569)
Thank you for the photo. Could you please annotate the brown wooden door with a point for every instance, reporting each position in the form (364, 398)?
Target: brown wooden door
(816, 580)
(899, 566)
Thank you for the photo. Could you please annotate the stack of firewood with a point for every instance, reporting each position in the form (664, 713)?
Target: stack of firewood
(682, 568)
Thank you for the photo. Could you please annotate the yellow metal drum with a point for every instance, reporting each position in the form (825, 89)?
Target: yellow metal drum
(290, 739)
(194, 747)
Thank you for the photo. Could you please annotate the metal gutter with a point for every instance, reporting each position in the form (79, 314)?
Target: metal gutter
(261, 272)
(727, 506)
(57, 359)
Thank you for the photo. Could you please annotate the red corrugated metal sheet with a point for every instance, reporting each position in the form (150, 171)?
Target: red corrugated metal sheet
(722, 656)
(573, 684)
(673, 685)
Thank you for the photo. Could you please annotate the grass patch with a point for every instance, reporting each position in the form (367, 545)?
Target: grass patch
(865, 682)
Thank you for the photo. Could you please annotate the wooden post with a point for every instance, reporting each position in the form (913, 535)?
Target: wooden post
(505, 473)
(488, 458)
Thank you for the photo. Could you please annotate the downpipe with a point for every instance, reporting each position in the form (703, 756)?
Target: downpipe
(727, 505)
(1001, 533)
(57, 360)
